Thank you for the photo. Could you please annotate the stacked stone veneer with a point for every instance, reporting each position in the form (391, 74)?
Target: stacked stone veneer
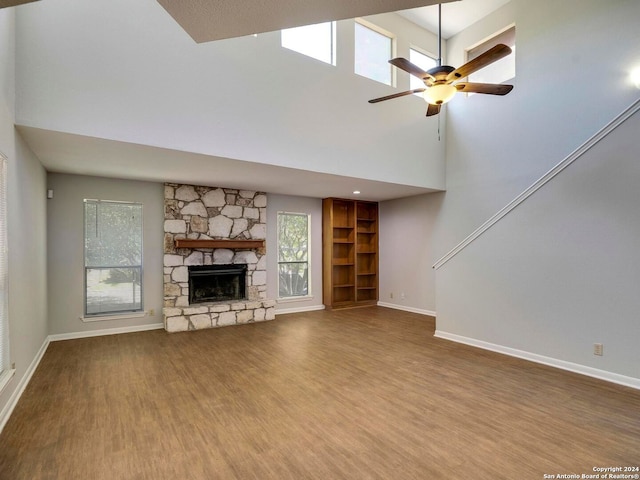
(207, 213)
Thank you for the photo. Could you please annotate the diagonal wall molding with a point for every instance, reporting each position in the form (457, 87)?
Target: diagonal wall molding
(547, 177)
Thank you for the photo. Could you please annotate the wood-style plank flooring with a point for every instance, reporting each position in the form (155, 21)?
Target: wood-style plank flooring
(357, 394)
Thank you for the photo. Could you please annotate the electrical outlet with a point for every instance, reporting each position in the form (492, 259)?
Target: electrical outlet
(391, 295)
(597, 349)
(402, 296)
(152, 312)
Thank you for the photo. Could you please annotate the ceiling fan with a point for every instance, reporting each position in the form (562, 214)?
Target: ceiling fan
(439, 80)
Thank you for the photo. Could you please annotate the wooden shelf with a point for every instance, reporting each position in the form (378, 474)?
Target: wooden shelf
(187, 243)
(349, 252)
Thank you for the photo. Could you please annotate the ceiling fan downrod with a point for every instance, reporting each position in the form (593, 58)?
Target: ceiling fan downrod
(439, 34)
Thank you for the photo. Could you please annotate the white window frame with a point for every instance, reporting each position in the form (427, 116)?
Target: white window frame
(392, 50)
(118, 314)
(6, 370)
(487, 43)
(309, 295)
(302, 51)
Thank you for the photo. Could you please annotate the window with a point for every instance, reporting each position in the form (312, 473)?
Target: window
(5, 371)
(317, 41)
(112, 257)
(373, 50)
(293, 254)
(503, 69)
(425, 62)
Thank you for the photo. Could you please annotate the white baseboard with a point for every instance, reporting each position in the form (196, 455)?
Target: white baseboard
(313, 308)
(24, 381)
(13, 400)
(552, 362)
(105, 331)
(407, 309)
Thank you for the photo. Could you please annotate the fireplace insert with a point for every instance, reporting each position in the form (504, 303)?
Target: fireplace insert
(217, 283)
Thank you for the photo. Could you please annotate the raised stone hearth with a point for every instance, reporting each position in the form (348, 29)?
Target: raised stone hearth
(210, 213)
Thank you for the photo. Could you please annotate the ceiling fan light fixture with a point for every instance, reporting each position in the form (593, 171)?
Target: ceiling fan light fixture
(439, 94)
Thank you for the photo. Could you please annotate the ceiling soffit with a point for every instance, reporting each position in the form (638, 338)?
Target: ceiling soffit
(206, 20)
(13, 3)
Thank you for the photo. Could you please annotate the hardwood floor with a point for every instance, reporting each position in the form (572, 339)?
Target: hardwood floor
(356, 394)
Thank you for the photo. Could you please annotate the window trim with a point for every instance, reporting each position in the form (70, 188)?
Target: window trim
(120, 314)
(393, 50)
(309, 294)
(488, 39)
(7, 370)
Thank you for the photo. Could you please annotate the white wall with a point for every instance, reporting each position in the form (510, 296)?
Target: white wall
(291, 204)
(559, 273)
(26, 189)
(572, 65)
(65, 226)
(65, 246)
(407, 252)
(126, 71)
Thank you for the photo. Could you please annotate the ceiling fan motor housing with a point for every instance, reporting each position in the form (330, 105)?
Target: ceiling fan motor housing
(438, 74)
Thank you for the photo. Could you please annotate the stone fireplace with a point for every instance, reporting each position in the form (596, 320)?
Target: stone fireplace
(214, 258)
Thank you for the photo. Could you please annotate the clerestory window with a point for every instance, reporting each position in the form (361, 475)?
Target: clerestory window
(502, 70)
(316, 41)
(373, 50)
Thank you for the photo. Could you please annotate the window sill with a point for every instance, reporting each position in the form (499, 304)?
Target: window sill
(295, 299)
(104, 318)
(5, 377)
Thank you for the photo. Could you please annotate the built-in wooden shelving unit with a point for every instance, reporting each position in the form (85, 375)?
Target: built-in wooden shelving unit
(350, 252)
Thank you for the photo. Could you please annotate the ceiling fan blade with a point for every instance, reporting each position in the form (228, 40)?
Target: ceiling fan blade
(407, 66)
(488, 57)
(433, 109)
(396, 95)
(490, 88)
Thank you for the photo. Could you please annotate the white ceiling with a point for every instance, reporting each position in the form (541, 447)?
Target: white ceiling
(68, 153)
(207, 20)
(456, 16)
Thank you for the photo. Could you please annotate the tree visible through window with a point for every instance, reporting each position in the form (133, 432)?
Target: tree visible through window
(293, 254)
(113, 257)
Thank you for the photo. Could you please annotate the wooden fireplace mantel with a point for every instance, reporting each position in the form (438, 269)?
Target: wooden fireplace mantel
(187, 243)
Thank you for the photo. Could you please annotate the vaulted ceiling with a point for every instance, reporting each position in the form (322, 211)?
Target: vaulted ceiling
(205, 20)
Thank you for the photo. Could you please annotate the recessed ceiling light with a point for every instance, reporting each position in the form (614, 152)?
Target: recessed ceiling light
(356, 192)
